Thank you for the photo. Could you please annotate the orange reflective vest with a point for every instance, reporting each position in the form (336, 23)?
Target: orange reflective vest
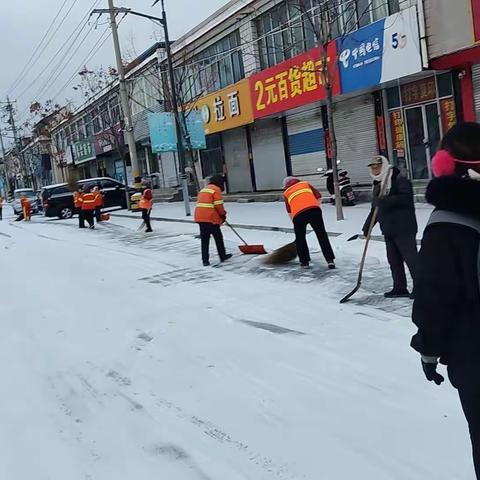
(146, 203)
(89, 201)
(210, 207)
(77, 199)
(99, 199)
(300, 197)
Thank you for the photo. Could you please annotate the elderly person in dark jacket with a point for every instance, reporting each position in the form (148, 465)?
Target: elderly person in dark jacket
(396, 215)
(446, 309)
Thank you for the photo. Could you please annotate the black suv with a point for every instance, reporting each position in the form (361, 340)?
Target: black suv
(58, 199)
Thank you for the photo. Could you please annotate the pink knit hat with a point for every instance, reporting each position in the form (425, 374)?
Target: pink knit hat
(443, 163)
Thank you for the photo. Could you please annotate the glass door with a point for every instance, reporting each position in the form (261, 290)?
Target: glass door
(423, 130)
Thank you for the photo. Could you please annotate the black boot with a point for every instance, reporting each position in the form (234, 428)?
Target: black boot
(397, 294)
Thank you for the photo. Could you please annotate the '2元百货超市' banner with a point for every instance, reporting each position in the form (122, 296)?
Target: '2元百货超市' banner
(293, 83)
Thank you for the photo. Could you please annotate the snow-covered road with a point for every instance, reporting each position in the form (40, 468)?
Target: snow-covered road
(122, 358)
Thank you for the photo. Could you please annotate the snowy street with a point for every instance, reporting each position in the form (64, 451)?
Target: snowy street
(124, 358)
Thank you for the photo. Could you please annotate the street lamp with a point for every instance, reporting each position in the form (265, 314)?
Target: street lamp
(173, 90)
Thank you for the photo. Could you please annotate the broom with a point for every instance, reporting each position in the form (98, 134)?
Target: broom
(282, 255)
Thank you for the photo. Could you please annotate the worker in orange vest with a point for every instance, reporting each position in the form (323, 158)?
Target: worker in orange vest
(26, 208)
(77, 203)
(99, 203)
(1, 207)
(302, 202)
(210, 214)
(146, 205)
(89, 202)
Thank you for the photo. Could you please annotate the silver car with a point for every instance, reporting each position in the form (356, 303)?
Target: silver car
(30, 194)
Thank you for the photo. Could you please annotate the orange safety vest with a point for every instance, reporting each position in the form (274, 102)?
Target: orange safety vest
(210, 207)
(89, 201)
(77, 199)
(99, 199)
(146, 203)
(299, 198)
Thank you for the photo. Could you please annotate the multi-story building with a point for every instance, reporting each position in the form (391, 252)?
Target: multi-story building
(255, 69)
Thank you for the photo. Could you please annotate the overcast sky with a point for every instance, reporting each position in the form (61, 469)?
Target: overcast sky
(24, 23)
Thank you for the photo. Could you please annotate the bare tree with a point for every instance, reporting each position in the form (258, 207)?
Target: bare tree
(330, 20)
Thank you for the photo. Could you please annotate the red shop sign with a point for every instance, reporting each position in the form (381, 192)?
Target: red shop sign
(449, 114)
(292, 83)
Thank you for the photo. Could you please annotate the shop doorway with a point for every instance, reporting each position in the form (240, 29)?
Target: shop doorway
(423, 134)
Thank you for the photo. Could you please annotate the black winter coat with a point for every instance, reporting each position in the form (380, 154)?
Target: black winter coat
(446, 309)
(396, 211)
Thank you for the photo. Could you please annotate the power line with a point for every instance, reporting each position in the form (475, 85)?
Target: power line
(38, 56)
(82, 26)
(24, 69)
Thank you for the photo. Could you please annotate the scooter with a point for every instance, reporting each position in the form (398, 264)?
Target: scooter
(346, 191)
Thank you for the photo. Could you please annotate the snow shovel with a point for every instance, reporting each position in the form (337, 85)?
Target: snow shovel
(347, 297)
(247, 249)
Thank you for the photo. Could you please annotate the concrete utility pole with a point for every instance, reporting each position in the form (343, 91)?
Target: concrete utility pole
(4, 165)
(18, 145)
(174, 100)
(173, 91)
(124, 97)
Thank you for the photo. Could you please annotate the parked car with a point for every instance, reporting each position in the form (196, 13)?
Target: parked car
(30, 194)
(58, 199)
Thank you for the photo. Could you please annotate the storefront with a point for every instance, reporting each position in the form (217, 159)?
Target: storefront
(288, 135)
(226, 115)
(84, 158)
(420, 113)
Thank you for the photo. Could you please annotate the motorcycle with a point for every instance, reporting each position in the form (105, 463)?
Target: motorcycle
(346, 191)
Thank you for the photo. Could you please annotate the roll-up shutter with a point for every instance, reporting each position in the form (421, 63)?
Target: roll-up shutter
(306, 141)
(268, 154)
(476, 89)
(356, 136)
(235, 150)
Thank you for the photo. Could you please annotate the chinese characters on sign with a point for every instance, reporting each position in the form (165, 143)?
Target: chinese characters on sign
(398, 132)
(227, 108)
(83, 151)
(449, 114)
(362, 54)
(421, 91)
(292, 83)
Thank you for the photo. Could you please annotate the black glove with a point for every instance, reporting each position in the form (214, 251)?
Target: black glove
(430, 370)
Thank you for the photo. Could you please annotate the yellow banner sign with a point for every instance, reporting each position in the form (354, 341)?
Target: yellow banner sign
(227, 108)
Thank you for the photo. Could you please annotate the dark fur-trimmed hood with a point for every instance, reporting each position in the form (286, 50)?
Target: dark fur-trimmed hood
(455, 194)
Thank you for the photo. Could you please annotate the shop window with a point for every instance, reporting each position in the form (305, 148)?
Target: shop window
(444, 85)
(393, 97)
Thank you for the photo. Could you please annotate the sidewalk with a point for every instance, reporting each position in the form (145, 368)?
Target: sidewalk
(272, 216)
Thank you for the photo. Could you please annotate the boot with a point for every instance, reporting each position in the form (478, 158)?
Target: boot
(397, 294)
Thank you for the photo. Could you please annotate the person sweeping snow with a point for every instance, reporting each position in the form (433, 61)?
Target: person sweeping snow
(396, 216)
(302, 203)
(210, 214)
(446, 308)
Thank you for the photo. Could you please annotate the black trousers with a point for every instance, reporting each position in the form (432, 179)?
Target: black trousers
(464, 377)
(81, 219)
(1, 213)
(146, 218)
(98, 214)
(400, 250)
(206, 230)
(312, 217)
(88, 215)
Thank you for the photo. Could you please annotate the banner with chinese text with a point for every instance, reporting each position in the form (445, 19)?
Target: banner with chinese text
(383, 51)
(83, 151)
(227, 108)
(292, 83)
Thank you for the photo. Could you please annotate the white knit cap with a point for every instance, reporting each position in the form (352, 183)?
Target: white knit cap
(287, 180)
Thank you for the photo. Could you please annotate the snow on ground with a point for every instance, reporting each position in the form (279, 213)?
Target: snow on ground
(124, 358)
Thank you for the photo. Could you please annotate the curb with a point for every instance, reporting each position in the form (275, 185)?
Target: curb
(264, 228)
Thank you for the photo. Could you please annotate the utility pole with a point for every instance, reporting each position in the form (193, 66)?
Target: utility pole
(18, 145)
(173, 91)
(174, 102)
(124, 97)
(5, 176)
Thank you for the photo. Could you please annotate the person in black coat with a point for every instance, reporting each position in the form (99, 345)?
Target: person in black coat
(396, 216)
(446, 309)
